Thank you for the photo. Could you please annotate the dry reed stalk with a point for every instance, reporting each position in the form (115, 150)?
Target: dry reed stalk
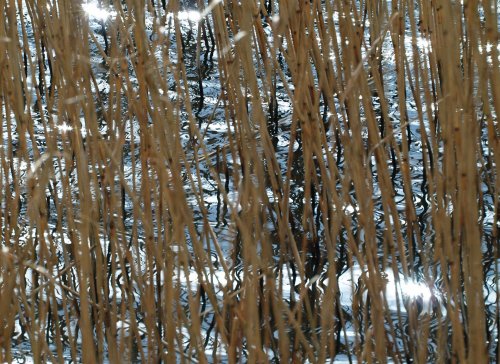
(105, 208)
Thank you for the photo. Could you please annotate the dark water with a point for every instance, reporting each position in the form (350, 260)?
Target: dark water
(205, 89)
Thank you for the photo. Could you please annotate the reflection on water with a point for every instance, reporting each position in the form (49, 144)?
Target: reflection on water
(404, 297)
(399, 292)
(191, 15)
(95, 11)
(64, 128)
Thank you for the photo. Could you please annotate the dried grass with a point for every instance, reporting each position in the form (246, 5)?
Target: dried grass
(103, 204)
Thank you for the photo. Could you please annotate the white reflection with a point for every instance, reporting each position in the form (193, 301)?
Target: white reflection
(194, 15)
(424, 44)
(399, 291)
(412, 293)
(64, 128)
(191, 15)
(412, 290)
(93, 11)
(486, 49)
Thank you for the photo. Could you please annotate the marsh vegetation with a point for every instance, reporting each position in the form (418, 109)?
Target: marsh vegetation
(224, 181)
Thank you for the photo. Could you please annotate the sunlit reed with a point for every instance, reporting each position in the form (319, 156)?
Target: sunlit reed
(249, 181)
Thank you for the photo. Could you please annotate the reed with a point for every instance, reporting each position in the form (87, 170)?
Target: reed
(276, 181)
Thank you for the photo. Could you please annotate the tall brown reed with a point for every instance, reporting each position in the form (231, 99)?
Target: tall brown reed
(104, 206)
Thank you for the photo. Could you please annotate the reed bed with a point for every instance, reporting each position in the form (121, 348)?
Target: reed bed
(249, 181)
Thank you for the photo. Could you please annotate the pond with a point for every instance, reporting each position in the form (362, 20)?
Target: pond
(261, 182)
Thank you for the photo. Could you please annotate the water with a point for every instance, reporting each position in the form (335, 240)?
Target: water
(418, 294)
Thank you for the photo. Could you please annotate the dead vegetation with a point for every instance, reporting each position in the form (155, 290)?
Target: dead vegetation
(110, 250)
